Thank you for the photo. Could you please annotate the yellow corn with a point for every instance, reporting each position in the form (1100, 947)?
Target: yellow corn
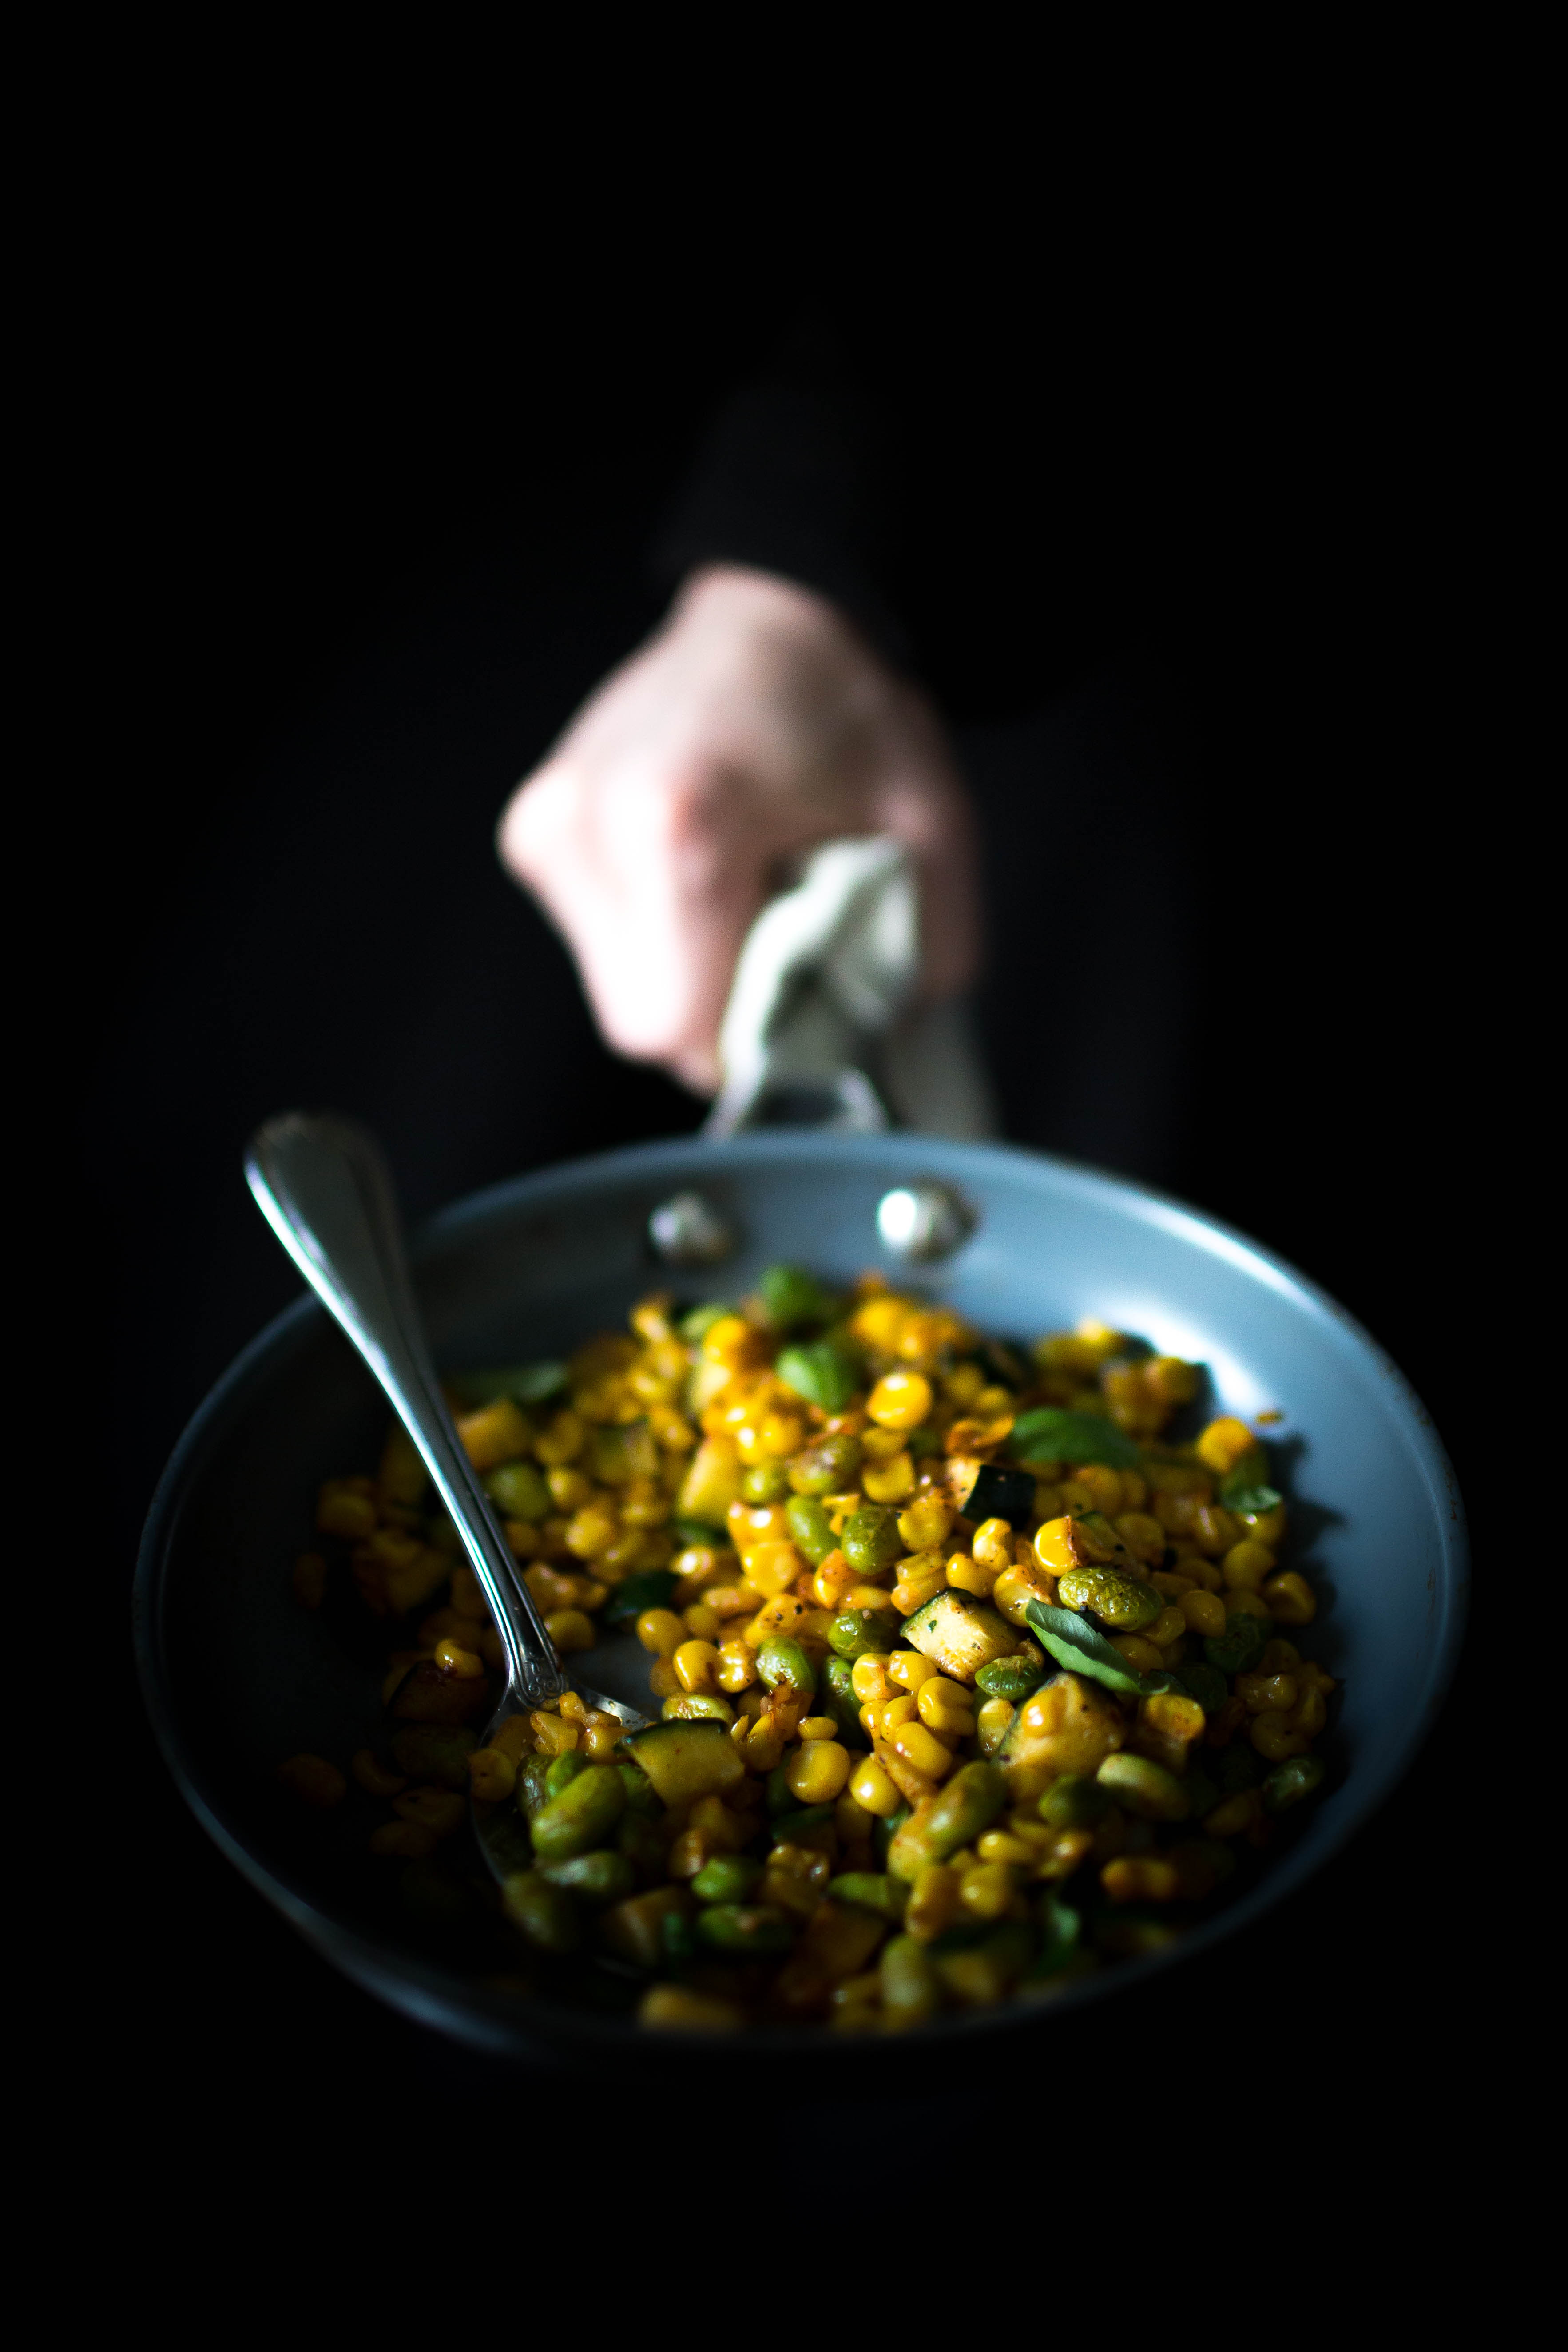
(990, 1724)
(1245, 1564)
(1203, 1612)
(464, 1665)
(919, 1747)
(1223, 1443)
(818, 1772)
(1138, 1653)
(1169, 1626)
(819, 1727)
(570, 1629)
(889, 1482)
(926, 1521)
(660, 1630)
(911, 1668)
(899, 1401)
(552, 1734)
(872, 1791)
(987, 1891)
(737, 1666)
(920, 1578)
(1275, 1738)
(992, 1545)
(945, 1707)
(1141, 1878)
(677, 2008)
(696, 1666)
(496, 1434)
(492, 1775)
(1290, 1599)
(1005, 1846)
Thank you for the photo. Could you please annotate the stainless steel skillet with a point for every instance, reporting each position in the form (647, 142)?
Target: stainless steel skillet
(237, 1676)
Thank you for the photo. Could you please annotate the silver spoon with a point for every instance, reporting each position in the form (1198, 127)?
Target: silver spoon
(324, 1189)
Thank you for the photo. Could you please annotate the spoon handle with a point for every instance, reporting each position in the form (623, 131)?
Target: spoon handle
(324, 1189)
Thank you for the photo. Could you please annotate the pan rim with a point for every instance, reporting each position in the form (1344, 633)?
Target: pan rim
(446, 2000)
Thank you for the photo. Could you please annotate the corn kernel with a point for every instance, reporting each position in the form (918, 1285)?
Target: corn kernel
(1234, 1814)
(1169, 1626)
(1003, 1846)
(570, 1629)
(455, 1659)
(661, 1631)
(492, 1775)
(945, 1707)
(870, 1681)
(919, 1747)
(1141, 1878)
(1245, 1564)
(441, 1811)
(737, 1666)
(1138, 1653)
(818, 1770)
(696, 1666)
(1274, 1737)
(872, 1791)
(899, 1401)
(900, 1709)
(1223, 1443)
(1203, 1612)
(1290, 1599)
(677, 2008)
(911, 1668)
(920, 1578)
(986, 1890)
(662, 1679)
(926, 1522)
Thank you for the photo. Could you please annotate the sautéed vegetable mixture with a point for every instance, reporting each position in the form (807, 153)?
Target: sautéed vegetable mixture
(972, 1676)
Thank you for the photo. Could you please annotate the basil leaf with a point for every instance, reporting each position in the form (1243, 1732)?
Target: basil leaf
(1073, 1643)
(1236, 1495)
(792, 1295)
(649, 1590)
(524, 1384)
(701, 1531)
(823, 1374)
(1052, 1434)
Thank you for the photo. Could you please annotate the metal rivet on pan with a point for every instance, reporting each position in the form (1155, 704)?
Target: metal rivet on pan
(923, 1221)
(685, 1231)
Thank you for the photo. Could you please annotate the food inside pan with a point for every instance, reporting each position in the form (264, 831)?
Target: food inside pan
(973, 1675)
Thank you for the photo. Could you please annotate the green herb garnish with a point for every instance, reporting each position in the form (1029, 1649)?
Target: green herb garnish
(1237, 1495)
(823, 1374)
(1050, 1433)
(1074, 1645)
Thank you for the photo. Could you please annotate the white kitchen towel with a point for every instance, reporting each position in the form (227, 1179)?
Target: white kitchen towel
(820, 1009)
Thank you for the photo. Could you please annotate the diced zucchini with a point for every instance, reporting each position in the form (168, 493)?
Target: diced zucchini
(960, 1635)
(1001, 1494)
(684, 1760)
(1067, 1726)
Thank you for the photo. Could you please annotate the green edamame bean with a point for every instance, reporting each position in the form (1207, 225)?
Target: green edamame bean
(910, 1992)
(826, 1468)
(641, 1795)
(434, 1751)
(810, 1527)
(1140, 1786)
(1125, 1603)
(1297, 1777)
(519, 1490)
(792, 1295)
(862, 1633)
(1205, 1683)
(871, 1540)
(545, 1914)
(1238, 1650)
(675, 1935)
(764, 1482)
(602, 1876)
(781, 1661)
(564, 1769)
(955, 1816)
(751, 1930)
(581, 1817)
(726, 1878)
(871, 1891)
(1074, 1804)
(1014, 1678)
(532, 1792)
(836, 1696)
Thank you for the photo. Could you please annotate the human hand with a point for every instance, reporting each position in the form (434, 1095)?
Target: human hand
(755, 725)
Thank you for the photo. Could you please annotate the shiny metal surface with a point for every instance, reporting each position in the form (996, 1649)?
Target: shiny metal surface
(686, 1230)
(323, 1187)
(923, 1223)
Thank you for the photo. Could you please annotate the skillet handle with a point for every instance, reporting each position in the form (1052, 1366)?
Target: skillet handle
(323, 1187)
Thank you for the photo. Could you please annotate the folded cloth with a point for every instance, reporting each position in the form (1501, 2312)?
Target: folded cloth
(822, 1028)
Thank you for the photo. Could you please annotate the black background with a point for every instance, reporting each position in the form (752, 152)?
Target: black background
(327, 519)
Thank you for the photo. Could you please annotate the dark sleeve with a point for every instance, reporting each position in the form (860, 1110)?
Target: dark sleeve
(798, 474)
